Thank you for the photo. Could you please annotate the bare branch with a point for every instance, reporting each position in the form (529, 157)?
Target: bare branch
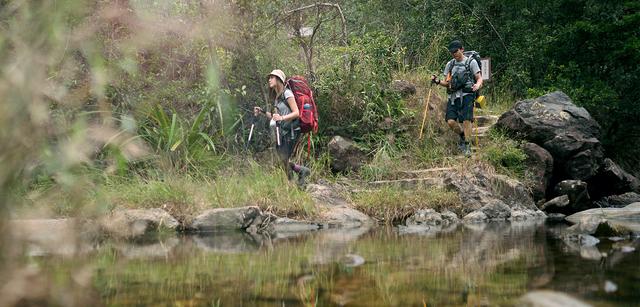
(318, 5)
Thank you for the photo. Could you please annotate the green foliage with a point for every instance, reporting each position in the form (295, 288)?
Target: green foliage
(264, 186)
(353, 94)
(184, 195)
(505, 154)
(185, 144)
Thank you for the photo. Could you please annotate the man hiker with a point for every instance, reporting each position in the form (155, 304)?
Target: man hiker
(462, 79)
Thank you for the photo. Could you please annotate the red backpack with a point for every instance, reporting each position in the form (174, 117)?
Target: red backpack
(306, 105)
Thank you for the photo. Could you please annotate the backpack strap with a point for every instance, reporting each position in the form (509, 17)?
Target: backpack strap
(449, 65)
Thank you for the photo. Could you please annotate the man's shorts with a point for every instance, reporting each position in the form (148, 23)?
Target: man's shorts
(460, 110)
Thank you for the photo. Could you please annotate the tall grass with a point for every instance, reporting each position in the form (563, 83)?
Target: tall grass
(185, 196)
(394, 205)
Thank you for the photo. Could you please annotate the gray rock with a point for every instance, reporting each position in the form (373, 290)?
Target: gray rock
(345, 217)
(630, 213)
(627, 249)
(618, 201)
(599, 226)
(576, 156)
(578, 195)
(425, 217)
(512, 192)
(403, 87)
(138, 222)
(568, 132)
(548, 298)
(557, 205)
(612, 179)
(496, 211)
(225, 219)
(539, 169)
(449, 217)
(497, 196)
(610, 287)
(476, 217)
(345, 155)
(591, 253)
(526, 214)
(587, 240)
(326, 196)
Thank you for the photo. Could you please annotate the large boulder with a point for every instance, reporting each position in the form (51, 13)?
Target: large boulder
(345, 155)
(630, 212)
(540, 169)
(486, 196)
(577, 194)
(614, 221)
(568, 132)
(612, 179)
(576, 156)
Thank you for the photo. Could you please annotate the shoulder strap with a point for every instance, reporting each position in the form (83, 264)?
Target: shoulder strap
(450, 64)
(467, 63)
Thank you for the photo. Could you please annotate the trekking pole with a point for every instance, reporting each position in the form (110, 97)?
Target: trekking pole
(253, 124)
(278, 134)
(424, 115)
(275, 123)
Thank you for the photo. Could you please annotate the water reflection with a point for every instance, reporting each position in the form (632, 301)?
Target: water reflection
(472, 264)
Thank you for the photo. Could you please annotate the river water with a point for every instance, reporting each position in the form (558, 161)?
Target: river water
(464, 265)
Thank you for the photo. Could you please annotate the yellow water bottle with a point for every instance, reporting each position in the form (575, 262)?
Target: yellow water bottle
(480, 102)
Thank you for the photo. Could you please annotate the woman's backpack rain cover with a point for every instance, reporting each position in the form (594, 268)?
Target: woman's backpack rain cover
(306, 105)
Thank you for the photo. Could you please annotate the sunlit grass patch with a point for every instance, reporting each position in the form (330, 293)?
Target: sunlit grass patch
(505, 154)
(393, 205)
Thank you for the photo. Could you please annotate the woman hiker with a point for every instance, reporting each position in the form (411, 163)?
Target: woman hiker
(285, 118)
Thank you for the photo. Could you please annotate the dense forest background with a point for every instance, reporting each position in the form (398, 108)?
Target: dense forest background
(132, 87)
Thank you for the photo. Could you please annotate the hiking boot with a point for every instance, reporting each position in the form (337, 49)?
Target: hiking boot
(467, 149)
(461, 145)
(304, 172)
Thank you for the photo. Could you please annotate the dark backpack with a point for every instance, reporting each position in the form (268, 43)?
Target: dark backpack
(306, 105)
(464, 80)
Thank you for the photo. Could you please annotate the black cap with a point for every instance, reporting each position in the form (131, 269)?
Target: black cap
(455, 45)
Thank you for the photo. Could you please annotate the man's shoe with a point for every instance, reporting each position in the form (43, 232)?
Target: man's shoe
(304, 172)
(467, 150)
(461, 145)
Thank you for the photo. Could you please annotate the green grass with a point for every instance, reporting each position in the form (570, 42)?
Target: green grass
(393, 205)
(505, 155)
(183, 196)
